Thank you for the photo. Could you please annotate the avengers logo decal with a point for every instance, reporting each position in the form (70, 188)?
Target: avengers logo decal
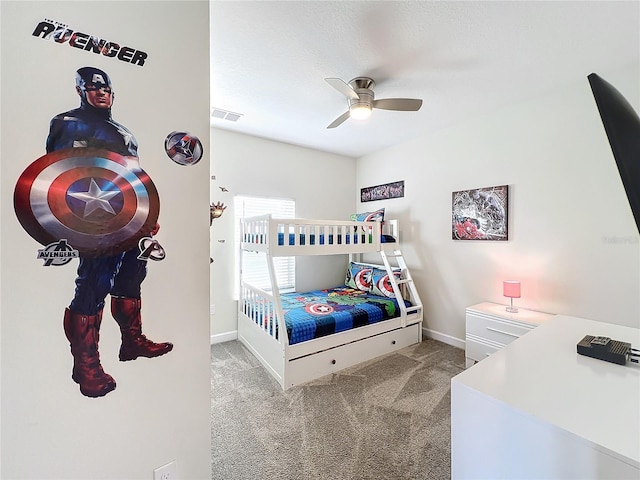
(183, 148)
(150, 249)
(57, 253)
(101, 202)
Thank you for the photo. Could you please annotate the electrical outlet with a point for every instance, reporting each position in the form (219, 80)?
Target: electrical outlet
(166, 472)
(213, 309)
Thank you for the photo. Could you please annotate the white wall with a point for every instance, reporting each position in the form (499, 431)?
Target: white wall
(573, 241)
(160, 409)
(321, 184)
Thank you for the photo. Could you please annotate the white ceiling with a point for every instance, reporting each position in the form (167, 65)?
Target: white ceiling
(463, 58)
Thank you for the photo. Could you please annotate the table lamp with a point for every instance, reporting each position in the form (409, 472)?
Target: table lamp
(511, 289)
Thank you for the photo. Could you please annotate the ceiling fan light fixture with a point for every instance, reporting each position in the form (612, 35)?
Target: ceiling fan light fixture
(360, 111)
(362, 100)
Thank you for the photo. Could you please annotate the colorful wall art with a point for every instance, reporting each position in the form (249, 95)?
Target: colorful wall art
(480, 214)
(382, 192)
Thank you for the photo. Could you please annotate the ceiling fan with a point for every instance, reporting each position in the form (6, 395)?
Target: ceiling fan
(359, 92)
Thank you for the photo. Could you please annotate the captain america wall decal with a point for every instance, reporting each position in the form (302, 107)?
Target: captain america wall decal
(88, 195)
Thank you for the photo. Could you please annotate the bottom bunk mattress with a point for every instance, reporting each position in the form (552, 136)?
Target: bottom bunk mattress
(319, 313)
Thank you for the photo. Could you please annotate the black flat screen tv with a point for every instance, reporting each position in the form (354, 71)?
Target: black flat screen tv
(622, 125)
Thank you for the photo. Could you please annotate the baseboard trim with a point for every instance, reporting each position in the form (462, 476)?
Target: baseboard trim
(224, 337)
(441, 337)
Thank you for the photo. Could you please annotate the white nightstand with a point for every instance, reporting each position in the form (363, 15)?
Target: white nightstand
(490, 327)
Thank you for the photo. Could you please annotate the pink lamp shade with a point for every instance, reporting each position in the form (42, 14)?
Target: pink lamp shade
(511, 289)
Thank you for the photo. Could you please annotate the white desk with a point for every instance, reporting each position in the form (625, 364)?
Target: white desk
(538, 410)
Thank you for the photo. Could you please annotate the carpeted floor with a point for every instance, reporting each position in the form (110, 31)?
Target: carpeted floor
(386, 419)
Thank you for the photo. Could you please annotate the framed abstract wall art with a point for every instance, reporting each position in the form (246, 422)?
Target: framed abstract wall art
(382, 192)
(480, 214)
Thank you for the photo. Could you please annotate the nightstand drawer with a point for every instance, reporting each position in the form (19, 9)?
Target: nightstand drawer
(490, 327)
(500, 331)
(478, 350)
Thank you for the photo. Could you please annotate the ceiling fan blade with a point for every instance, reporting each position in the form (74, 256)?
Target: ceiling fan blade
(403, 104)
(342, 87)
(339, 120)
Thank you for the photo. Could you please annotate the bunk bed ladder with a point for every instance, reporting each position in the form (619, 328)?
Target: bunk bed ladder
(406, 280)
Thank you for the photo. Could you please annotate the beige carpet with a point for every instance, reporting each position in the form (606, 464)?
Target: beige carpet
(385, 419)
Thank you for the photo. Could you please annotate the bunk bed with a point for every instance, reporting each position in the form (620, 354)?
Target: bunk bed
(299, 337)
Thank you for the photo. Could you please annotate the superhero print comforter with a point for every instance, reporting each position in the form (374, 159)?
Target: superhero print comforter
(323, 312)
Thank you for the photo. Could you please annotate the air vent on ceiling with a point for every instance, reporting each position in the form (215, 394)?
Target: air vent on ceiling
(225, 114)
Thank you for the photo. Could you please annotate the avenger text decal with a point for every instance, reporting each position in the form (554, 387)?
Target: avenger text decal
(61, 33)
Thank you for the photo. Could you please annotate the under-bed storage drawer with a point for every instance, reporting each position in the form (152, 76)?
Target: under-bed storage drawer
(304, 369)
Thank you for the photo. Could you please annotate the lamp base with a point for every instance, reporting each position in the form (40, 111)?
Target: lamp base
(512, 309)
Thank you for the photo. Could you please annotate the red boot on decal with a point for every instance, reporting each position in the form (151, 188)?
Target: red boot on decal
(82, 331)
(126, 311)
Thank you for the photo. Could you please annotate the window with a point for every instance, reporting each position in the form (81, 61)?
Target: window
(254, 265)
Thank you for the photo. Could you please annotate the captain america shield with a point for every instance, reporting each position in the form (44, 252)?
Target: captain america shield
(319, 309)
(384, 285)
(100, 202)
(363, 279)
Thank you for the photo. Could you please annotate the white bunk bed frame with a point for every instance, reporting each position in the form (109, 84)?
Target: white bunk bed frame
(260, 313)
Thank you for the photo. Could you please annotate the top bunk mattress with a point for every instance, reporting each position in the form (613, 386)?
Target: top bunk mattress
(330, 239)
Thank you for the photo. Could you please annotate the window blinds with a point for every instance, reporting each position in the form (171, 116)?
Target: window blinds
(255, 270)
